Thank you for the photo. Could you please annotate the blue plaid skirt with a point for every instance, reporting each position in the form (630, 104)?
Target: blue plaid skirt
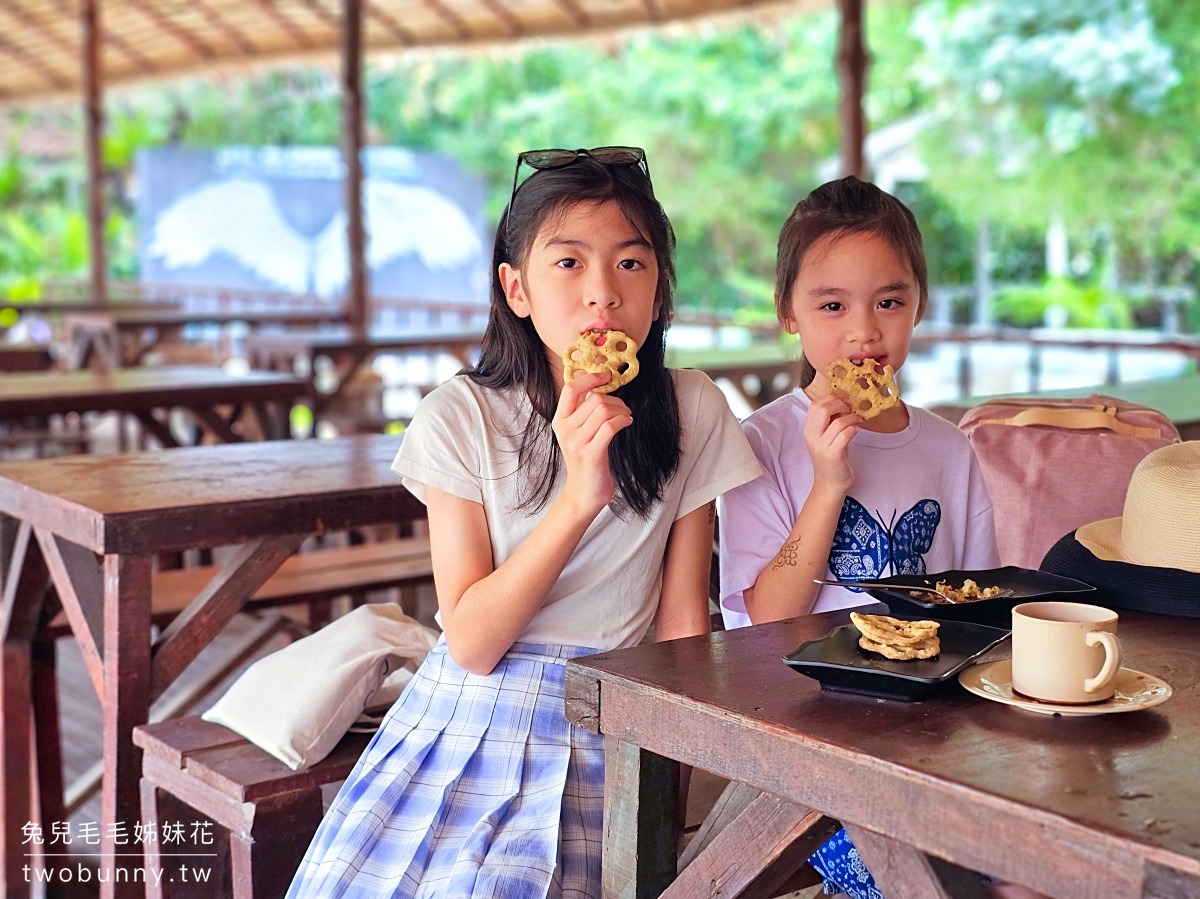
(474, 786)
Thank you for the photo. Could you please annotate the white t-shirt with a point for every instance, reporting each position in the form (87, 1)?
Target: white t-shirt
(464, 439)
(918, 505)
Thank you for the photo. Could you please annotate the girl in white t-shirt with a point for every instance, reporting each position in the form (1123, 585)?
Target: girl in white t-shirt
(562, 522)
(841, 497)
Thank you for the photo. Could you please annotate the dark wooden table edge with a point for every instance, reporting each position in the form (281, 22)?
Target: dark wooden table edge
(259, 390)
(124, 533)
(1119, 860)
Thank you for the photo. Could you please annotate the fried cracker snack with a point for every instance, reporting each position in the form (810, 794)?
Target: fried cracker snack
(869, 387)
(597, 351)
(896, 638)
(885, 629)
(902, 653)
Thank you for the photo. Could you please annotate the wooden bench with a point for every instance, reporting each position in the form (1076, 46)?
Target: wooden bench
(270, 811)
(310, 577)
(313, 577)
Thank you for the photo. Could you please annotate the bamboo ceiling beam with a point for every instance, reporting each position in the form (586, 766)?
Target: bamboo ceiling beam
(352, 140)
(180, 36)
(451, 18)
(852, 63)
(504, 14)
(575, 13)
(653, 13)
(23, 16)
(235, 36)
(140, 62)
(39, 56)
(323, 14)
(294, 31)
(93, 122)
(31, 62)
(389, 23)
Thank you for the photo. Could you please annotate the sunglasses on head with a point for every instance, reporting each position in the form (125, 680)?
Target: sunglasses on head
(541, 160)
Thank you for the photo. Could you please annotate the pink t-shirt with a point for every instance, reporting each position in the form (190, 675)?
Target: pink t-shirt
(918, 505)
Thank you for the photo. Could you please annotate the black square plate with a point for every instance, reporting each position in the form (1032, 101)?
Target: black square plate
(837, 661)
(1026, 584)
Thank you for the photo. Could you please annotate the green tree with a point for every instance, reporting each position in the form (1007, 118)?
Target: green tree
(1053, 107)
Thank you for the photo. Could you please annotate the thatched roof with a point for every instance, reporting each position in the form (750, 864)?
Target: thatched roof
(148, 39)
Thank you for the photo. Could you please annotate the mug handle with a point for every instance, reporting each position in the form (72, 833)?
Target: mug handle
(1112, 660)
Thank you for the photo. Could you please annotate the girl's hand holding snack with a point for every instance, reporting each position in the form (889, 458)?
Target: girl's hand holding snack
(585, 424)
(828, 430)
(784, 587)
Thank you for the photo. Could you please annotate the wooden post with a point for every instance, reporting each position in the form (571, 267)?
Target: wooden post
(24, 587)
(641, 790)
(352, 139)
(126, 704)
(93, 124)
(852, 78)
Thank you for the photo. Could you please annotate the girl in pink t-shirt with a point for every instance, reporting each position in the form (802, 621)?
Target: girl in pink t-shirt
(842, 496)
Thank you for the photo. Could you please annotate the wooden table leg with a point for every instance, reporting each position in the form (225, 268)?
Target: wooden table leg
(757, 852)
(274, 419)
(641, 790)
(25, 584)
(265, 857)
(904, 872)
(126, 703)
(1166, 883)
(346, 365)
(49, 748)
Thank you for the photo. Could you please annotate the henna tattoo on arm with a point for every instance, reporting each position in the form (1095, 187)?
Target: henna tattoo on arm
(787, 554)
(712, 512)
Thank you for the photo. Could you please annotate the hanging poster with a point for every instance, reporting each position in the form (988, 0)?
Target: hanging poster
(273, 218)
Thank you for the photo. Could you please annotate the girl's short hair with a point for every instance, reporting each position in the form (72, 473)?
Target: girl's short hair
(644, 455)
(835, 209)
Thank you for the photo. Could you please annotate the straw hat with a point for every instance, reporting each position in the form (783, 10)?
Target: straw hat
(1148, 560)
(1160, 527)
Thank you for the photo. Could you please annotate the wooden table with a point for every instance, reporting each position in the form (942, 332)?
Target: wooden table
(16, 357)
(1040, 339)
(1105, 806)
(150, 393)
(761, 373)
(298, 350)
(124, 337)
(91, 525)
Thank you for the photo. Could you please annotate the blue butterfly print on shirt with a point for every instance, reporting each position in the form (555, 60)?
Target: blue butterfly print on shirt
(864, 548)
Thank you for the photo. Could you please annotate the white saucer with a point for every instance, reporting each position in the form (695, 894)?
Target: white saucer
(1134, 691)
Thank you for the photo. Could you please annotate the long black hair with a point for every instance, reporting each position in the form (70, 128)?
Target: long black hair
(643, 456)
(846, 206)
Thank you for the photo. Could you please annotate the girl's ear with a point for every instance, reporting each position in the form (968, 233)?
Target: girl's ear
(514, 291)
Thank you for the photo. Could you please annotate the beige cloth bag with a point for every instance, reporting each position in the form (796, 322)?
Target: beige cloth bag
(1053, 465)
(298, 702)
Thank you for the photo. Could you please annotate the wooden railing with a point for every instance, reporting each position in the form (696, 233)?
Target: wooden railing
(396, 313)
(1037, 340)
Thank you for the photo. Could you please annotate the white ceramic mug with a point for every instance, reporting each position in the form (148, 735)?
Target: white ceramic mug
(1064, 651)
